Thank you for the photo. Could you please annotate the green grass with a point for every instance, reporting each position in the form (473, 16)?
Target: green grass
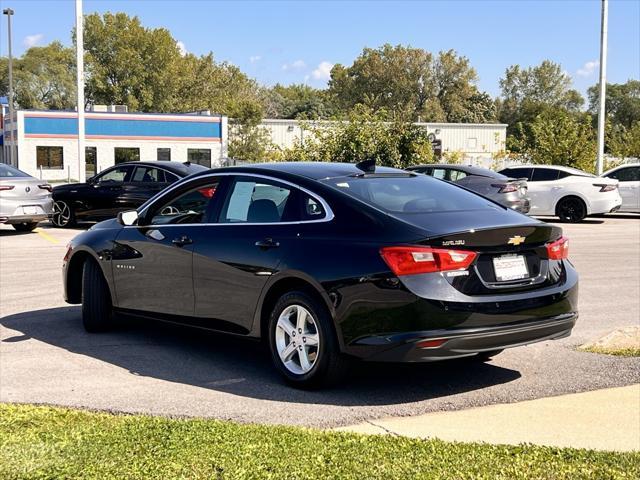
(620, 352)
(46, 442)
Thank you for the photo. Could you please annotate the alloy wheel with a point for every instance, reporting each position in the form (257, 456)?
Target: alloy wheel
(61, 214)
(297, 339)
(571, 210)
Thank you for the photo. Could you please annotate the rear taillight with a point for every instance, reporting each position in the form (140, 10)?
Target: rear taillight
(606, 187)
(412, 260)
(558, 250)
(45, 186)
(505, 187)
(6, 187)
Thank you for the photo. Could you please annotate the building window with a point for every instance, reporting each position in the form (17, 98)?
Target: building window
(90, 157)
(50, 158)
(122, 154)
(164, 154)
(201, 156)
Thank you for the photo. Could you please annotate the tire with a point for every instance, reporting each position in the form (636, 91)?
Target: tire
(97, 312)
(571, 209)
(25, 227)
(63, 215)
(325, 364)
(486, 356)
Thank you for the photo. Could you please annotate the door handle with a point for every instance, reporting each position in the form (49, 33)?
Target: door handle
(267, 243)
(182, 241)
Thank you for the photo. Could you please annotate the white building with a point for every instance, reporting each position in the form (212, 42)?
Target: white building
(47, 145)
(476, 143)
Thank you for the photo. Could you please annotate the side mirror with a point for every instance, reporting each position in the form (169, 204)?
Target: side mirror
(128, 218)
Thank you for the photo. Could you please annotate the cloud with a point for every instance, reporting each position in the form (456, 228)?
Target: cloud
(297, 65)
(588, 69)
(182, 48)
(255, 58)
(32, 40)
(323, 71)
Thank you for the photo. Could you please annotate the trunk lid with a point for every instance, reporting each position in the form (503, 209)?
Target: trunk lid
(24, 189)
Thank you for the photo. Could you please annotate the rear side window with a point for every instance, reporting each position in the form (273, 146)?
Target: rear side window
(409, 194)
(440, 173)
(544, 174)
(257, 201)
(629, 174)
(455, 175)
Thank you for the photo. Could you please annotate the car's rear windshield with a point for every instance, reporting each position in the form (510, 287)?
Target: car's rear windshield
(409, 193)
(9, 171)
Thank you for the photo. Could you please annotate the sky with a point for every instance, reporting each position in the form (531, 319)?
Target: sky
(299, 41)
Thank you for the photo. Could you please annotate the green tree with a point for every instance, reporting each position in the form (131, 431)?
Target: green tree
(623, 142)
(247, 139)
(526, 92)
(558, 137)
(44, 78)
(295, 101)
(622, 102)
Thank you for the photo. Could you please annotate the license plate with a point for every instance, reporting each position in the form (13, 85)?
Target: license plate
(510, 267)
(30, 210)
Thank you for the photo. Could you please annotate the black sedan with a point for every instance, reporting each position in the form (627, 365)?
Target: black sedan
(123, 187)
(328, 262)
(510, 192)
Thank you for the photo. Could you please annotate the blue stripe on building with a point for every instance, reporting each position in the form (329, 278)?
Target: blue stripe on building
(115, 128)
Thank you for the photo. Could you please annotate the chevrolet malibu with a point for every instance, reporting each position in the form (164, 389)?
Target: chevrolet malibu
(327, 262)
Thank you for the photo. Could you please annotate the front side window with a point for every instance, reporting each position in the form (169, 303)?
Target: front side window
(50, 158)
(544, 175)
(124, 154)
(114, 175)
(517, 173)
(257, 201)
(440, 173)
(201, 156)
(629, 174)
(189, 207)
(455, 175)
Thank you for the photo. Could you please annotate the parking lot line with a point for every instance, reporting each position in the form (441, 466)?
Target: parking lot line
(47, 237)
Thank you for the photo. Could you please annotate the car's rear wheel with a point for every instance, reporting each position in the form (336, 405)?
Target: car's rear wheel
(97, 312)
(63, 215)
(303, 344)
(571, 209)
(25, 227)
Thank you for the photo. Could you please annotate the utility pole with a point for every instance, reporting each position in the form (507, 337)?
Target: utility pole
(80, 88)
(603, 85)
(8, 12)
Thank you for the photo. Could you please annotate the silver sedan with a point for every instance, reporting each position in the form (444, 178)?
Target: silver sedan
(24, 200)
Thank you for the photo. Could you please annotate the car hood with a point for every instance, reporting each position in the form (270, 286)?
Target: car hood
(68, 186)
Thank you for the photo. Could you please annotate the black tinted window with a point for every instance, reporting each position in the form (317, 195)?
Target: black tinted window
(517, 172)
(114, 175)
(629, 174)
(311, 208)
(544, 174)
(409, 194)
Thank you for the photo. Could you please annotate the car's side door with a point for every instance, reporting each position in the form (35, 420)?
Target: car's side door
(233, 259)
(102, 193)
(629, 187)
(544, 191)
(152, 263)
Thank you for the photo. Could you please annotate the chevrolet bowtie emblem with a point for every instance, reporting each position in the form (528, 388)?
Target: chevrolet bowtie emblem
(517, 240)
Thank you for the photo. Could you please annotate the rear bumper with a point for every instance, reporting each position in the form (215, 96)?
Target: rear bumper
(466, 342)
(23, 219)
(605, 205)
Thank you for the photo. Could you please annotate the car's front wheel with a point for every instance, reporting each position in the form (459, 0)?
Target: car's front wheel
(303, 344)
(25, 227)
(97, 312)
(63, 215)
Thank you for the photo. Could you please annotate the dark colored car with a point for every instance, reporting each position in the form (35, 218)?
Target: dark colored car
(123, 187)
(327, 261)
(510, 192)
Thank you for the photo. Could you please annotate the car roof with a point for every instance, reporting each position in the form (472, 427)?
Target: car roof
(624, 165)
(179, 168)
(571, 170)
(470, 169)
(312, 170)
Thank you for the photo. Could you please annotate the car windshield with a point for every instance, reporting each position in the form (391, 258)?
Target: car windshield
(409, 193)
(8, 171)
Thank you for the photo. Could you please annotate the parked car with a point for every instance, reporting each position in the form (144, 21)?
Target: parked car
(24, 200)
(125, 186)
(511, 193)
(327, 261)
(628, 177)
(567, 193)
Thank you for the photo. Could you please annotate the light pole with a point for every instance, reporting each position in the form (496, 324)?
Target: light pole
(80, 88)
(603, 85)
(8, 12)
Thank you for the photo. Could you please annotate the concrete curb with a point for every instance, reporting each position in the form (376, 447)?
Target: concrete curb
(601, 420)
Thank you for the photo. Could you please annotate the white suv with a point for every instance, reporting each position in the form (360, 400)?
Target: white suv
(567, 193)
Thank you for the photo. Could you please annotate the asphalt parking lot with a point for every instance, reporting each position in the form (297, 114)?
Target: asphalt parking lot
(46, 357)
